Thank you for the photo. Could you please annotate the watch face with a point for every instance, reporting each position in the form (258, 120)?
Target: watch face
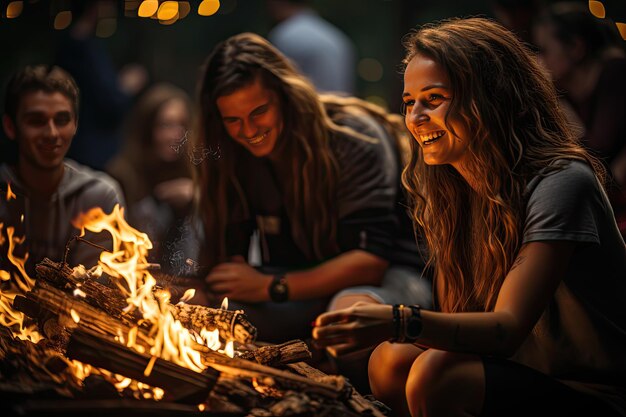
(279, 292)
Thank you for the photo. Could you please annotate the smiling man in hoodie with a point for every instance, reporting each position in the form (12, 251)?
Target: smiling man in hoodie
(40, 118)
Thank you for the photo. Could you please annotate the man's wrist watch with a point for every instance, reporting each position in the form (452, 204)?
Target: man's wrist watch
(413, 324)
(278, 289)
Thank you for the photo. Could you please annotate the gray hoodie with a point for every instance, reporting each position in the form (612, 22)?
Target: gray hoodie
(47, 223)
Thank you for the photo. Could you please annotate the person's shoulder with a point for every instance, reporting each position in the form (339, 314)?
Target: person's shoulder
(88, 180)
(572, 177)
(574, 171)
(363, 139)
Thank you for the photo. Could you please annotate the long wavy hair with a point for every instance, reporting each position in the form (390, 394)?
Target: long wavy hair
(518, 131)
(308, 128)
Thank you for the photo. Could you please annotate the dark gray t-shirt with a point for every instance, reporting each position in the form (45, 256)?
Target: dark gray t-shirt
(371, 216)
(581, 337)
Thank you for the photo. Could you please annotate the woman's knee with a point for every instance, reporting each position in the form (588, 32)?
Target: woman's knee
(436, 376)
(389, 366)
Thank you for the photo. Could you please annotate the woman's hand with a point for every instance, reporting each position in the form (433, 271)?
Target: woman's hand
(239, 282)
(362, 325)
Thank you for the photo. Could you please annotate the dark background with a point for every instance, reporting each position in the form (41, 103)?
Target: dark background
(175, 53)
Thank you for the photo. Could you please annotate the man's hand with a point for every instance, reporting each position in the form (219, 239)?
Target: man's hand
(239, 282)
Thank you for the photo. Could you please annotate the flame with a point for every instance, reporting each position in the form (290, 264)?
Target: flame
(22, 280)
(79, 293)
(10, 194)
(19, 283)
(125, 264)
(74, 315)
(229, 350)
(224, 305)
(150, 365)
(187, 296)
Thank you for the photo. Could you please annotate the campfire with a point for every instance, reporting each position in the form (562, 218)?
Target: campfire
(112, 335)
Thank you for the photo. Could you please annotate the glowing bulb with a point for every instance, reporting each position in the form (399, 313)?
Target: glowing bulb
(622, 29)
(168, 10)
(147, 8)
(62, 20)
(597, 9)
(208, 7)
(14, 9)
(183, 9)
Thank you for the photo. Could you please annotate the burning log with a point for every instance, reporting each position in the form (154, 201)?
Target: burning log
(180, 384)
(231, 324)
(29, 367)
(285, 380)
(356, 401)
(282, 354)
(62, 304)
(101, 407)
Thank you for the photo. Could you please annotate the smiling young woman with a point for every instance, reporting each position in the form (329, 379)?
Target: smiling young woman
(529, 263)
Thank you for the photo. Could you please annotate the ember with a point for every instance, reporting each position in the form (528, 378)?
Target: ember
(69, 332)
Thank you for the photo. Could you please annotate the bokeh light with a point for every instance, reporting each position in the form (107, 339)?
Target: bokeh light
(370, 69)
(168, 10)
(14, 9)
(106, 27)
(148, 8)
(63, 19)
(208, 7)
(597, 9)
(622, 29)
(183, 9)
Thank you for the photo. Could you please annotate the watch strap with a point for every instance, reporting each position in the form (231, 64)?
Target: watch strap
(278, 289)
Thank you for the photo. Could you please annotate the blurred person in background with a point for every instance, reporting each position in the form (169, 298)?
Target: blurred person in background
(587, 61)
(517, 16)
(40, 119)
(320, 50)
(106, 94)
(154, 170)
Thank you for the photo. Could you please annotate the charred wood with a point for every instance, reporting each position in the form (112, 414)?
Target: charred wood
(282, 354)
(231, 324)
(356, 401)
(180, 384)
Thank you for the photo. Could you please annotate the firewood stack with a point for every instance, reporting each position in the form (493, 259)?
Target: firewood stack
(82, 320)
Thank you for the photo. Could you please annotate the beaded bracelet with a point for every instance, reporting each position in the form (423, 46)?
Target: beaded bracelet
(398, 322)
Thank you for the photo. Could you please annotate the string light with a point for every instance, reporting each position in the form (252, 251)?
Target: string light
(168, 10)
(148, 8)
(597, 9)
(63, 19)
(14, 9)
(208, 7)
(183, 9)
(622, 29)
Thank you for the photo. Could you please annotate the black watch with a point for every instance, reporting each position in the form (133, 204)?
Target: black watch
(278, 289)
(413, 326)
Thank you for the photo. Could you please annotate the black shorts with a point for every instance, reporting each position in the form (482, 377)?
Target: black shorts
(513, 390)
